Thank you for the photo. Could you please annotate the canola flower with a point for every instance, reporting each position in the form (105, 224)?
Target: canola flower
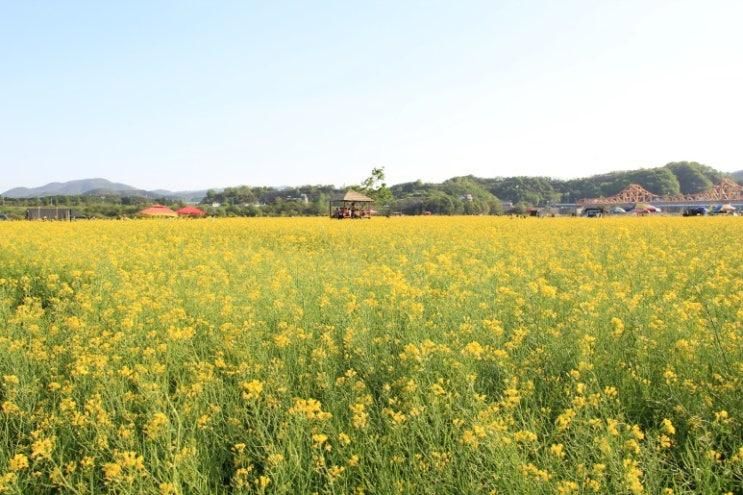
(402, 355)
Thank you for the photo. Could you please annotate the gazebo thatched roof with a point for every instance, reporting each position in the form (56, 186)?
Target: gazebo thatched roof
(353, 196)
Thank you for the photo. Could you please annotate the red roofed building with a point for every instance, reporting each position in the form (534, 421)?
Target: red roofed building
(191, 211)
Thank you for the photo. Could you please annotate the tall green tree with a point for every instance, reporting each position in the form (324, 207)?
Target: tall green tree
(691, 177)
(376, 188)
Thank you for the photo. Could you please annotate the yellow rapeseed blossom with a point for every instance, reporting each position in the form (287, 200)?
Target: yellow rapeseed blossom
(319, 439)
(287, 355)
(112, 471)
(127, 467)
(309, 409)
(42, 448)
(157, 425)
(557, 450)
(167, 489)
(252, 389)
(11, 380)
(667, 427)
(18, 462)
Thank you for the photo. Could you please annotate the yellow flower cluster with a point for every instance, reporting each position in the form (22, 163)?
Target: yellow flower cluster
(400, 355)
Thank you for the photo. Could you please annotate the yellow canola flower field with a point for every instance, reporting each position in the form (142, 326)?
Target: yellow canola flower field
(400, 355)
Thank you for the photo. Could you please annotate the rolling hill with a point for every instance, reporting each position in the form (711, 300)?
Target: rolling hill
(70, 188)
(98, 187)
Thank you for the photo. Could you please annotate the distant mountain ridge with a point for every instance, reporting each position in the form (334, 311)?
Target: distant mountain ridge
(98, 187)
(70, 188)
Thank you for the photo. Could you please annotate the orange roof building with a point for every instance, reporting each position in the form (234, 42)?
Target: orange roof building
(158, 211)
(190, 211)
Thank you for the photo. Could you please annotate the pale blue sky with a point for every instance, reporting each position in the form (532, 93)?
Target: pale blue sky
(192, 94)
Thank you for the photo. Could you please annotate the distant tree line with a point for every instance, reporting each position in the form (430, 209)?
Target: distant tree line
(85, 205)
(269, 201)
(488, 195)
(466, 195)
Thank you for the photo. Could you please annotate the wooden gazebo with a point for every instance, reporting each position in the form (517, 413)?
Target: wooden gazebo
(352, 204)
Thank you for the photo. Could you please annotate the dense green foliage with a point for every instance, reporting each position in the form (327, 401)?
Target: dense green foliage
(376, 188)
(269, 201)
(487, 194)
(456, 196)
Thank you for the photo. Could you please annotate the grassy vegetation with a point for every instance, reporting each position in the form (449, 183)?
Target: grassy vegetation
(402, 355)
